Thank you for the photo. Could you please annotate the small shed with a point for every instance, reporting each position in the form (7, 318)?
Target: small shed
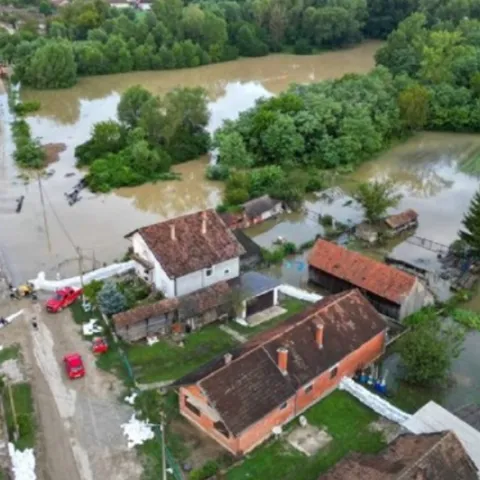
(262, 208)
(179, 314)
(402, 221)
(259, 293)
(366, 232)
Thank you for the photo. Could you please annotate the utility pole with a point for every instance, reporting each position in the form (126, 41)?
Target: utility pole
(42, 201)
(164, 450)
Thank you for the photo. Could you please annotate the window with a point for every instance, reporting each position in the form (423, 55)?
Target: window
(283, 406)
(227, 271)
(308, 389)
(208, 272)
(192, 408)
(333, 372)
(220, 427)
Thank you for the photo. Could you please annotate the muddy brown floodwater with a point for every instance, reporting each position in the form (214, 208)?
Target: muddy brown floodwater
(44, 234)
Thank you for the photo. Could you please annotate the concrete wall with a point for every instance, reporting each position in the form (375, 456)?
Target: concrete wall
(159, 278)
(418, 298)
(320, 386)
(199, 279)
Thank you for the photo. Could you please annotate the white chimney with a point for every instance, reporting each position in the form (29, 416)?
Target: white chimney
(204, 223)
(172, 232)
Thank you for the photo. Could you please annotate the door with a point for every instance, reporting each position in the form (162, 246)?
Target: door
(262, 302)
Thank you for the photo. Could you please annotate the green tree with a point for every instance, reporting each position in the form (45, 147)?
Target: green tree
(110, 299)
(428, 349)
(52, 66)
(131, 103)
(376, 197)
(45, 8)
(414, 107)
(232, 151)
(470, 234)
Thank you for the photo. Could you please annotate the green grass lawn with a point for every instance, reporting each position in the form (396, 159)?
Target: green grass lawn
(167, 361)
(8, 353)
(23, 401)
(293, 306)
(345, 419)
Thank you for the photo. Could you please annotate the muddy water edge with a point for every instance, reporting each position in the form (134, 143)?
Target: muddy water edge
(44, 235)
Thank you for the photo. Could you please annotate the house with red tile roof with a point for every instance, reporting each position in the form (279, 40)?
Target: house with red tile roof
(185, 254)
(430, 456)
(392, 292)
(238, 399)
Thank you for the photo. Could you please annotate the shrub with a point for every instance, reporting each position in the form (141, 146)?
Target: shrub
(217, 172)
(110, 299)
(207, 471)
(302, 47)
(92, 289)
(325, 220)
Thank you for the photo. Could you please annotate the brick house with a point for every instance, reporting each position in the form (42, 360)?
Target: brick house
(431, 456)
(187, 253)
(239, 398)
(392, 292)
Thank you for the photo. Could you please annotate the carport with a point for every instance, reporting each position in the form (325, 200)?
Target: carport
(260, 293)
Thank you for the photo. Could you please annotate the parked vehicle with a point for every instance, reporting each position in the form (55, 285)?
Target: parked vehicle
(23, 291)
(99, 345)
(74, 365)
(62, 299)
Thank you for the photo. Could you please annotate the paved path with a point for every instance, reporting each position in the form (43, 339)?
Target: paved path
(237, 336)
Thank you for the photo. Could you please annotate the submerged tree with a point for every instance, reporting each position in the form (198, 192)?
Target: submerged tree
(376, 197)
(471, 221)
(428, 349)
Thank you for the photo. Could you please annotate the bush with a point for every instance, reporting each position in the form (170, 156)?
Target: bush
(302, 47)
(217, 172)
(22, 108)
(111, 300)
(236, 196)
(207, 471)
(92, 289)
(325, 220)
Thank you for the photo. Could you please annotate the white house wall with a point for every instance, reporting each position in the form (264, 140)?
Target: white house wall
(276, 210)
(418, 298)
(160, 279)
(220, 272)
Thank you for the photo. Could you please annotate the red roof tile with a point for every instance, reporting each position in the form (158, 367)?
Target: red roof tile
(361, 271)
(400, 219)
(190, 249)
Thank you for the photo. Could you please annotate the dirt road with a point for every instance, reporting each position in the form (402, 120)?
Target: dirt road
(79, 421)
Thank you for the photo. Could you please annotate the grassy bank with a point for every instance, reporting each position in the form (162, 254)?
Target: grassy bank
(24, 413)
(343, 417)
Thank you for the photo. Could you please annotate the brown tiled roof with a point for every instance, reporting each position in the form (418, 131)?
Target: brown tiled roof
(395, 221)
(251, 385)
(433, 456)
(257, 206)
(361, 271)
(200, 302)
(191, 250)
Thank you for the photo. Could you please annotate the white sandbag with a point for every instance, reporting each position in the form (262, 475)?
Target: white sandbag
(41, 283)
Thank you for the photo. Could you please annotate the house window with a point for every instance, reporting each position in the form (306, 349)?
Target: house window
(208, 272)
(333, 372)
(192, 408)
(308, 389)
(283, 406)
(220, 427)
(227, 271)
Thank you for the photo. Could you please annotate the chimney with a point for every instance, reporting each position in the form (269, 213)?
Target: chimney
(228, 358)
(172, 232)
(319, 335)
(204, 223)
(282, 359)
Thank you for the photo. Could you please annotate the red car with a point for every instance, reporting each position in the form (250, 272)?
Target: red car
(99, 345)
(74, 365)
(62, 299)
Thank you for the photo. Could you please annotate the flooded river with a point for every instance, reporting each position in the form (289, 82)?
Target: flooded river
(43, 235)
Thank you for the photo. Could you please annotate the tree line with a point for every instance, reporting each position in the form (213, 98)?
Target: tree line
(87, 37)
(428, 77)
(151, 134)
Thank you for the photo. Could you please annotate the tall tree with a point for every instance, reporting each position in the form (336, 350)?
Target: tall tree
(131, 103)
(413, 104)
(471, 222)
(376, 197)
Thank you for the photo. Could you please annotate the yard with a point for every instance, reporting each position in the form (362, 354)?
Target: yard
(292, 305)
(344, 418)
(167, 361)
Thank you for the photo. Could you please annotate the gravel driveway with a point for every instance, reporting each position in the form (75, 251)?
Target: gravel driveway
(79, 421)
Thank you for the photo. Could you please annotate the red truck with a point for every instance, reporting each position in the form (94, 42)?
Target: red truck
(62, 299)
(74, 365)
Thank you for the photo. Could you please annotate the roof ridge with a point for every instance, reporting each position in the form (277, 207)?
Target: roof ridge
(446, 434)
